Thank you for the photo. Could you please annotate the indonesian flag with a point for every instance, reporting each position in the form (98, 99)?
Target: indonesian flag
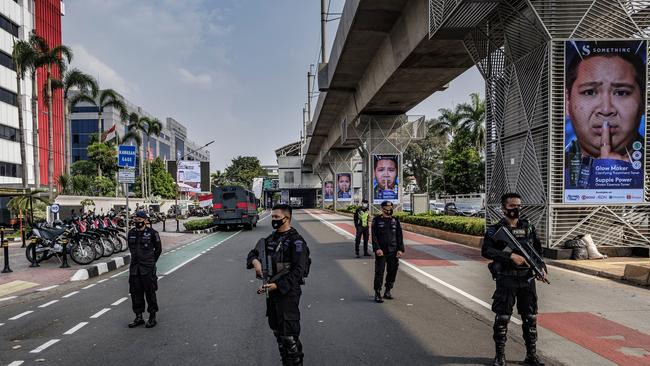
(109, 134)
(149, 153)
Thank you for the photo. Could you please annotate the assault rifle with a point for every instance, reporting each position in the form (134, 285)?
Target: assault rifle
(266, 265)
(533, 259)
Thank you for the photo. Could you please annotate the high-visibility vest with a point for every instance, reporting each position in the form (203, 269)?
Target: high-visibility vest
(364, 215)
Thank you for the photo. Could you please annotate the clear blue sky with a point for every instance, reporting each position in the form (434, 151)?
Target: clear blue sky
(232, 71)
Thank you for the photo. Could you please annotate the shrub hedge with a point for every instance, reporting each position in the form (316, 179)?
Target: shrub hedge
(199, 224)
(457, 224)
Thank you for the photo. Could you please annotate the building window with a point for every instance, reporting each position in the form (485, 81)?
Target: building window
(8, 97)
(7, 61)
(10, 170)
(85, 109)
(9, 133)
(8, 25)
(288, 177)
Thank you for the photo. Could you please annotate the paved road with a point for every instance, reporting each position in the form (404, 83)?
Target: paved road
(210, 315)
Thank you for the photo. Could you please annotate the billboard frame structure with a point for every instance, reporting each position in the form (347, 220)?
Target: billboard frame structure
(518, 47)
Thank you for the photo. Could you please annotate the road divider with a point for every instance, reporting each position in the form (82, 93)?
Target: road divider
(101, 268)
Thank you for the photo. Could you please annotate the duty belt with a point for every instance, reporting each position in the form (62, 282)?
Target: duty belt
(516, 272)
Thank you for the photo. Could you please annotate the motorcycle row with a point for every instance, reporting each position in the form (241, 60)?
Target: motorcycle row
(85, 238)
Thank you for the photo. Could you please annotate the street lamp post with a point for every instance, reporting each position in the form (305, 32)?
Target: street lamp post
(178, 191)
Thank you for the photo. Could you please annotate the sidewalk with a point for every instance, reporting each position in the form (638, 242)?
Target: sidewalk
(24, 279)
(584, 319)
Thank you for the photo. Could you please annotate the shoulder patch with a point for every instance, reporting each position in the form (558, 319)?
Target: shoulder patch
(298, 244)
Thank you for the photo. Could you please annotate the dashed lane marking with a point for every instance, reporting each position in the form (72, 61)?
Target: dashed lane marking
(16, 363)
(70, 294)
(117, 274)
(102, 281)
(48, 303)
(44, 346)
(47, 288)
(119, 301)
(75, 328)
(21, 315)
(8, 298)
(100, 313)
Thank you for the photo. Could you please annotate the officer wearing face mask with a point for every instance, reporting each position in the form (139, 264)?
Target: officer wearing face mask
(515, 281)
(287, 260)
(145, 248)
(388, 245)
(361, 217)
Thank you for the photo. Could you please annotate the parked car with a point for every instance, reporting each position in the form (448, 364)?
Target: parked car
(450, 209)
(467, 209)
(406, 207)
(437, 208)
(234, 206)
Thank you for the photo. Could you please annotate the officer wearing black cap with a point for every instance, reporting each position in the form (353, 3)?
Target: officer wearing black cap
(145, 248)
(388, 245)
(515, 281)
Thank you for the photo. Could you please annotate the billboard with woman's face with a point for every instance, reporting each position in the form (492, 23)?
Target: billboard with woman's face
(328, 191)
(604, 139)
(385, 183)
(344, 187)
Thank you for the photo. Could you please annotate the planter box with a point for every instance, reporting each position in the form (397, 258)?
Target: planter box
(469, 240)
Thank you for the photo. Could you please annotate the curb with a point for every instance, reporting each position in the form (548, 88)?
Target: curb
(204, 231)
(101, 268)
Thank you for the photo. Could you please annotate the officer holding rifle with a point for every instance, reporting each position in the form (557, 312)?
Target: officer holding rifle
(515, 250)
(281, 260)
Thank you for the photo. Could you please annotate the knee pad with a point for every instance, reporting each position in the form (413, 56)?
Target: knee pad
(530, 319)
(502, 319)
(290, 344)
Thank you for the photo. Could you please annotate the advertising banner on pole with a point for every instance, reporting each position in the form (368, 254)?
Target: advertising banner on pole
(344, 187)
(605, 122)
(189, 175)
(328, 191)
(385, 186)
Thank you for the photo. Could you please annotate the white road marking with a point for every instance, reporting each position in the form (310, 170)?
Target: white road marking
(579, 273)
(44, 346)
(47, 288)
(198, 255)
(454, 288)
(70, 294)
(75, 328)
(48, 303)
(8, 298)
(89, 286)
(100, 313)
(102, 281)
(21, 315)
(16, 363)
(119, 301)
(1, 324)
(117, 274)
(336, 228)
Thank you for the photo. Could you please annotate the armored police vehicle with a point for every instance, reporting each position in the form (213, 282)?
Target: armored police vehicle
(234, 206)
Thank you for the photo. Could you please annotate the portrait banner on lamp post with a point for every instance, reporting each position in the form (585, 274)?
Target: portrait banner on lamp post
(385, 180)
(344, 187)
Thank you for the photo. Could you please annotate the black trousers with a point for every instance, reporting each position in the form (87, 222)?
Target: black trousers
(361, 232)
(283, 314)
(143, 286)
(391, 261)
(511, 290)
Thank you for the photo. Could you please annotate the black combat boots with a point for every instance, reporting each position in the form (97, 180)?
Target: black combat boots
(137, 321)
(500, 336)
(378, 298)
(152, 320)
(529, 328)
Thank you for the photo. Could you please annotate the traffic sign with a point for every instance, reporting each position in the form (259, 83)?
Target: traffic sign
(126, 176)
(55, 208)
(126, 156)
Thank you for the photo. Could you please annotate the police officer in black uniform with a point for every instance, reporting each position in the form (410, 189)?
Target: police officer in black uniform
(388, 245)
(361, 221)
(145, 248)
(287, 256)
(515, 281)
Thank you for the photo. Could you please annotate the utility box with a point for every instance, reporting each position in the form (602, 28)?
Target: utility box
(419, 203)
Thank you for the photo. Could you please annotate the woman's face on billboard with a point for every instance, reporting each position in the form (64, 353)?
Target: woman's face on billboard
(344, 183)
(605, 106)
(385, 173)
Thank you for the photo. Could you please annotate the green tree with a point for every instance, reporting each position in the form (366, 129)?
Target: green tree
(20, 203)
(141, 127)
(81, 185)
(24, 58)
(83, 167)
(472, 117)
(423, 159)
(54, 61)
(65, 183)
(162, 183)
(74, 79)
(243, 169)
(218, 178)
(464, 170)
(103, 186)
(103, 155)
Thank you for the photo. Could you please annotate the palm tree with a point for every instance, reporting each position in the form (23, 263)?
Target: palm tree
(218, 178)
(23, 55)
(154, 127)
(447, 124)
(473, 120)
(84, 83)
(20, 203)
(102, 99)
(65, 183)
(54, 61)
(143, 126)
(37, 43)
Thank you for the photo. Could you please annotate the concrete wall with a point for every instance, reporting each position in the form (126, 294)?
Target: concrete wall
(106, 203)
